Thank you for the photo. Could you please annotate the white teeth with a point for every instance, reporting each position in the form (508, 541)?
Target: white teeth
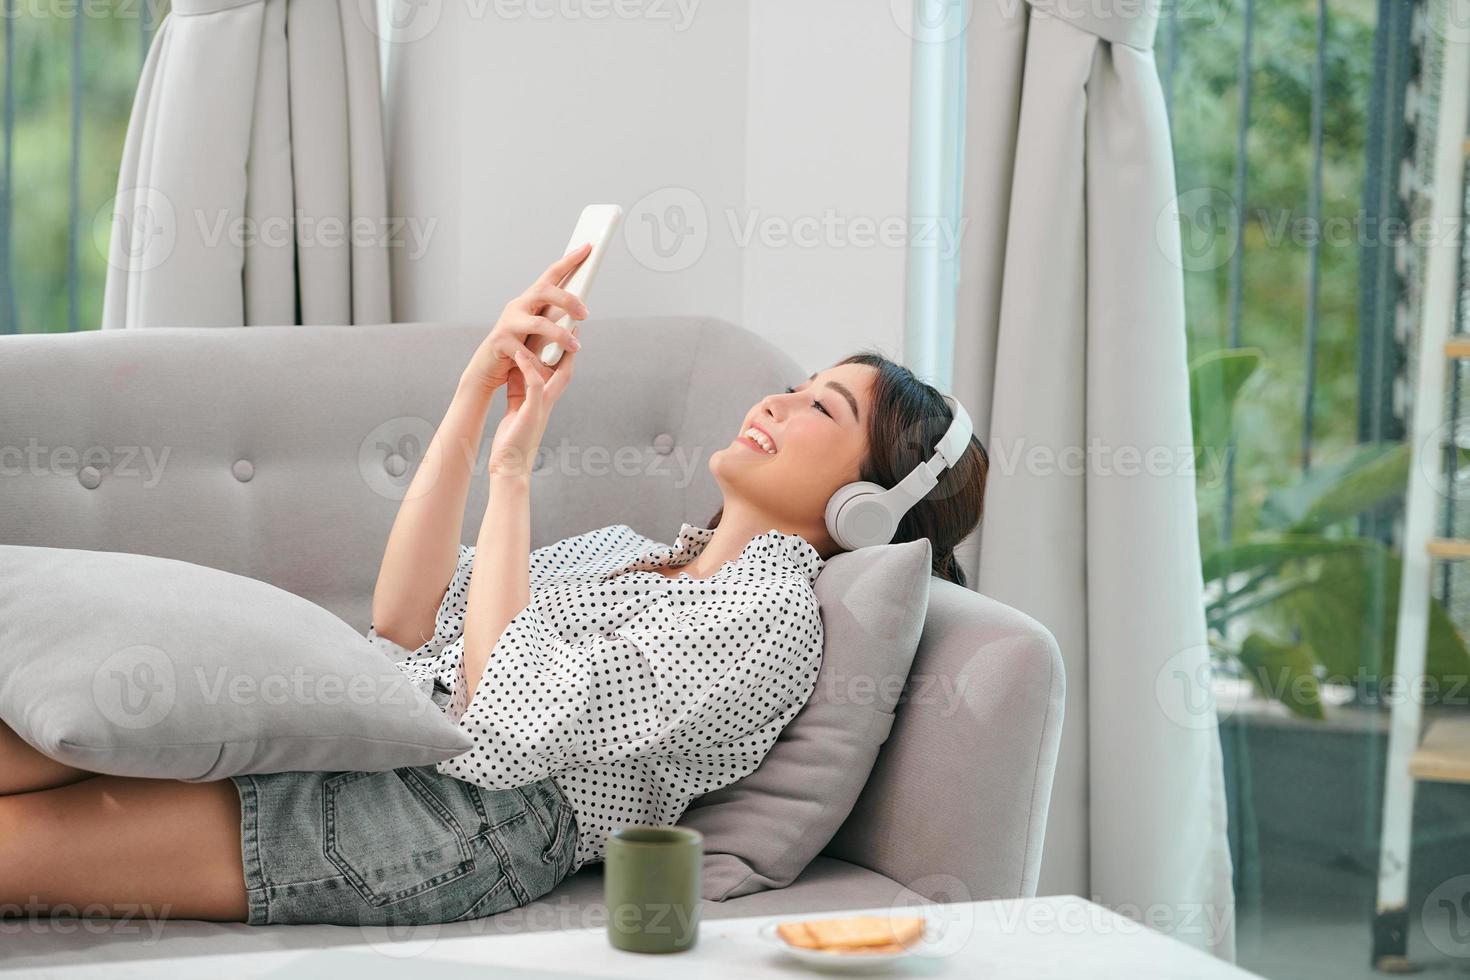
(760, 437)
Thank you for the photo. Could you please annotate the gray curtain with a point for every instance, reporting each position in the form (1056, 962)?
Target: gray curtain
(1070, 351)
(252, 188)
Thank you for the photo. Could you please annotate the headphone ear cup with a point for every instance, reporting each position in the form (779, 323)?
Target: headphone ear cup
(858, 518)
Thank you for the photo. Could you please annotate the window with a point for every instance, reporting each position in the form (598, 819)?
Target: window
(1300, 158)
(69, 72)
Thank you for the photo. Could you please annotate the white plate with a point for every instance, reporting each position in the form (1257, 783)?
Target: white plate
(848, 961)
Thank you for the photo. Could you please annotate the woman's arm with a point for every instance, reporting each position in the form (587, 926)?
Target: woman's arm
(500, 584)
(500, 575)
(423, 547)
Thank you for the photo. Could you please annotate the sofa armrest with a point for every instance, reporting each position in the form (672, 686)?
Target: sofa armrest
(956, 805)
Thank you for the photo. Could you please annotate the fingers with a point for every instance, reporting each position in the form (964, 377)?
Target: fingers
(516, 350)
(535, 397)
(543, 382)
(557, 272)
(562, 376)
(518, 330)
(555, 313)
(535, 372)
(542, 297)
(552, 331)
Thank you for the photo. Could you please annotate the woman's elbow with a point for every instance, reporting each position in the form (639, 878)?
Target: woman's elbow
(397, 627)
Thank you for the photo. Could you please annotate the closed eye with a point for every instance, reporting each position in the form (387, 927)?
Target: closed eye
(815, 404)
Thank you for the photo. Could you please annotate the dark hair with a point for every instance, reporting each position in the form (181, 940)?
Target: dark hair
(906, 423)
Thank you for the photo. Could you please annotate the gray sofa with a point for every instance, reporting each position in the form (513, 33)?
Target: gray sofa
(281, 452)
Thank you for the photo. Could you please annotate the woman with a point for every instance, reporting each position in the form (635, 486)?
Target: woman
(606, 679)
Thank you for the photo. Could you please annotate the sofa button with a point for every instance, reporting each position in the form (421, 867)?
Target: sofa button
(395, 464)
(539, 463)
(90, 477)
(663, 443)
(243, 470)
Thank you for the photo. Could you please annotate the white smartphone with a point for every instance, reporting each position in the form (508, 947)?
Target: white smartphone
(596, 225)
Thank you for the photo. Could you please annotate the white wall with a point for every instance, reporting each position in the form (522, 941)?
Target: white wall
(756, 146)
(827, 144)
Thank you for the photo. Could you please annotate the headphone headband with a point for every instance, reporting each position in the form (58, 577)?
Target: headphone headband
(952, 444)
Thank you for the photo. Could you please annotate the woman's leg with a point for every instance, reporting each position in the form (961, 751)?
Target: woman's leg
(23, 769)
(158, 847)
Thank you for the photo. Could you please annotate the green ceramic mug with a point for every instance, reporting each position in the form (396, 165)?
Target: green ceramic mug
(651, 885)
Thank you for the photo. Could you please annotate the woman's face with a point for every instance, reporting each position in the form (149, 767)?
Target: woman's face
(819, 433)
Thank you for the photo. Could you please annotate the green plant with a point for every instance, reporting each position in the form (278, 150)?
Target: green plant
(1301, 599)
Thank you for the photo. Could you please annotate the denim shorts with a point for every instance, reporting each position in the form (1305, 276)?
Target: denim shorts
(408, 846)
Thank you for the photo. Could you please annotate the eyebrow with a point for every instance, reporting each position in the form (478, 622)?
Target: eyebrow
(842, 390)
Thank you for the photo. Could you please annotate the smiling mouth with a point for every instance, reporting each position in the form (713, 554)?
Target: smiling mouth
(751, 444)
(759, 438)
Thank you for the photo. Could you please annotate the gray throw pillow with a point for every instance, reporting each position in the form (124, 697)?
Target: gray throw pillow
(142, 666)
(762, 831)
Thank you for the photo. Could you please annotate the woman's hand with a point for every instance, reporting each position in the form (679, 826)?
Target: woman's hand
(528, 323)
(531, 392)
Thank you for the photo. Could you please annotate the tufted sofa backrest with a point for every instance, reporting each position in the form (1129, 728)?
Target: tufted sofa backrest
(282, 452)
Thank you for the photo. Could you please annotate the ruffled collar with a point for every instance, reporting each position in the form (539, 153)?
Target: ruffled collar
(692, 540)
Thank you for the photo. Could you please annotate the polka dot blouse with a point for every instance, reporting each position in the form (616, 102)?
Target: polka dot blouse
(637, 692)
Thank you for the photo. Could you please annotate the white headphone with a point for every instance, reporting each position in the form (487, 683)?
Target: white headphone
(862, 513)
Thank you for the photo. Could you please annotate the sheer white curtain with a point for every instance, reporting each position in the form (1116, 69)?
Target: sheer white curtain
(252, 188)
(1070, 352)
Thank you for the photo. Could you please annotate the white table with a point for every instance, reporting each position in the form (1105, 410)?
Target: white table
(1063, 936)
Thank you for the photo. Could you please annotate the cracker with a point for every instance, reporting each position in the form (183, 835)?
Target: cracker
(866, 930)
(797, 934)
